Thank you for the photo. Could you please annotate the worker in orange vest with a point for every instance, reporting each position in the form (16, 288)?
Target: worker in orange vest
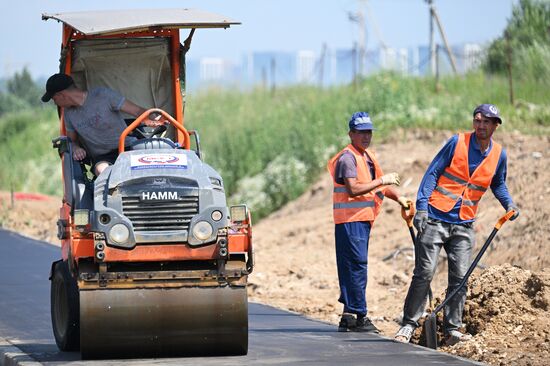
(359, 188)
(447, 202)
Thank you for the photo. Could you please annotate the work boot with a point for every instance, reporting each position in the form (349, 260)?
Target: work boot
(454, 337)
(365, 325)
(347, 323)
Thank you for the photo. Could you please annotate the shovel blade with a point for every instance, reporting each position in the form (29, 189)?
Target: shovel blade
(430, 331)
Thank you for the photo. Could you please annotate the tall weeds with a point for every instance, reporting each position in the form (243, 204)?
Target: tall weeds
(269, 146)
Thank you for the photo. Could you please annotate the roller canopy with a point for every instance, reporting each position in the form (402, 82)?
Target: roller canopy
(119, 21)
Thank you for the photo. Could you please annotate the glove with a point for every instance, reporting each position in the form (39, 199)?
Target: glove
(420, 219)
(513, 207)
(392, 178)
(404, 202)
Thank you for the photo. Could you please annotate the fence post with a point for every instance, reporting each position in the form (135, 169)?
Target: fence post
(12, 196)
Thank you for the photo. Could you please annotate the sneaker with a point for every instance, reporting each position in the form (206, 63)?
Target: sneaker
(347, 323)
(404, 334)
(364, 324)
(454, 337)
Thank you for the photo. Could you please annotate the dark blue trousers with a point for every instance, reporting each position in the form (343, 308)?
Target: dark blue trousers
(352, 249)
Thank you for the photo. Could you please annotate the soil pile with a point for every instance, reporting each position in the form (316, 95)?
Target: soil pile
(507, 313)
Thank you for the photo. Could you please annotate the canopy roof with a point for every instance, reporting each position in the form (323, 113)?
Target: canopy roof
(119, 21)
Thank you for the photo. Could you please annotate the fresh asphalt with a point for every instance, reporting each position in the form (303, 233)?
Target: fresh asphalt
(275, 337)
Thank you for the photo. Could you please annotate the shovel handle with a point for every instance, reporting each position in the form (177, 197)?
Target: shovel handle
(407, 213)
(504, 218)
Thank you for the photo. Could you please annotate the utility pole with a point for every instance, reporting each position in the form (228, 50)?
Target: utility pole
(434, 15)
(354, 65)
(264, 78)
(359, 18)
(509, 67)
(362, 40)
(437, 86)
(272, 75)
(432, 39)
(372, 21)
(449, 51)
(322, 64)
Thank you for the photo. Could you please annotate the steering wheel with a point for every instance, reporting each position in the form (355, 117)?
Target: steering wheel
(149, 141)
(185, 142)
(147, 135)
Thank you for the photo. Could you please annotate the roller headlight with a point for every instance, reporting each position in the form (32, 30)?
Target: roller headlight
(216, 215)
(119, 233)
(202, 230)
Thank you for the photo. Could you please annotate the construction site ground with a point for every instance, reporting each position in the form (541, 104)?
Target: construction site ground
(507, 309)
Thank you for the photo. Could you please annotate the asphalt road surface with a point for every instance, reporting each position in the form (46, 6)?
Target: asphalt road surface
(275, 337)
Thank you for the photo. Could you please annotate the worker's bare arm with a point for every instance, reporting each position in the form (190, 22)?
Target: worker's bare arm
(355, 188)
(132, 108)
(391, 193)
(78, 152)
(135, 110)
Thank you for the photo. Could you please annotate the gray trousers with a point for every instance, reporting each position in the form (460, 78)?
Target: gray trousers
(458, 241)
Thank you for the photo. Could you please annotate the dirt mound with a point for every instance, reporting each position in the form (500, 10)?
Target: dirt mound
(507, 313)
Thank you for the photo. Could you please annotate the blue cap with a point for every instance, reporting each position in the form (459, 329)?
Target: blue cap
(488, 110)
(360, 121)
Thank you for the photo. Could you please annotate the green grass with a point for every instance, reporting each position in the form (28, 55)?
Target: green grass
(270, 146)
(27, 161)
(251, 136)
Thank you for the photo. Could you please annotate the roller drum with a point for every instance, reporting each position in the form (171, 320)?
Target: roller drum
(156, 322)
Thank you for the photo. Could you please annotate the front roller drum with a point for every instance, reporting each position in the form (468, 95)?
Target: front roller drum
(64, 308)
(158, 322)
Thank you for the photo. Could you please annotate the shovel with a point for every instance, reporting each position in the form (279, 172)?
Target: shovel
(408, 214)
(430, 324)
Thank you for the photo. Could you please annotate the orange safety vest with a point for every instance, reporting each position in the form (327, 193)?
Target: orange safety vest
(360, 208)
(456, 183)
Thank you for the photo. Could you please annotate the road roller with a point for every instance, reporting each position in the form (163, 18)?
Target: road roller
(154, 263)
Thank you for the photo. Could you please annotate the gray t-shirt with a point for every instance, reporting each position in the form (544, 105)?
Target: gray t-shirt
(346, 167)
(98, 122)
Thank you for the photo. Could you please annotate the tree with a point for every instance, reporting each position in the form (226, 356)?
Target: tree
(527, 28)
(11, 103)
(23, 87)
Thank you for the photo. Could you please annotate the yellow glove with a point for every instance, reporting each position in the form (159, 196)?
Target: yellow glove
(404, 202)
(392, 178)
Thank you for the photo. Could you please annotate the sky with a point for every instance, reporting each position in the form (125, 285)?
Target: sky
(267, 25)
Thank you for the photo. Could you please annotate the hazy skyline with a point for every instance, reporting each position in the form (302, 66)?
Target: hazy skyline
(267, 25)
